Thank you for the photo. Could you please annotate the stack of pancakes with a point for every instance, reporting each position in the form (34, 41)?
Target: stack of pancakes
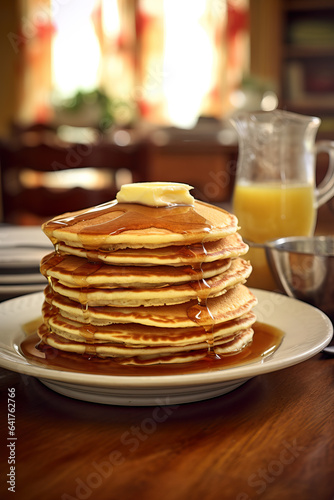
(147, 285)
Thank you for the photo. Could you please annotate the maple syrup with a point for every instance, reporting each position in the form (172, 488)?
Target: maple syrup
(265, 341)
(133, 217)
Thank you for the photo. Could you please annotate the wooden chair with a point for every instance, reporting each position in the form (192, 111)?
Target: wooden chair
(37, 173)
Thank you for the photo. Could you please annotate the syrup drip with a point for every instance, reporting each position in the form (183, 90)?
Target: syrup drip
(200, 313)
(50, 281)
(85, 311)
(81, 273)
(88, 332)
(190, 251)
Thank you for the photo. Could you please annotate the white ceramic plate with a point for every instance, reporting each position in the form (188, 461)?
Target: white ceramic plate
(307, 332)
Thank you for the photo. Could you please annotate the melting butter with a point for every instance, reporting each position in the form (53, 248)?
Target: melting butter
(156, 194)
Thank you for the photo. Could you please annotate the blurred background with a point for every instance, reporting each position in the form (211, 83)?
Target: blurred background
(97, 93)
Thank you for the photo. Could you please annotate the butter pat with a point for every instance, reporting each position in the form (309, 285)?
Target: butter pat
(156, 194)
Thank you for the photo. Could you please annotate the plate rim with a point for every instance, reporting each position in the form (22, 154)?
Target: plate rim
(270, 364)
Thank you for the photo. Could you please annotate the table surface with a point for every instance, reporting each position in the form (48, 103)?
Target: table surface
(271, 438)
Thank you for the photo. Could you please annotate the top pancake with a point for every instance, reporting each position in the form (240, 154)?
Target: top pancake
(114, 225)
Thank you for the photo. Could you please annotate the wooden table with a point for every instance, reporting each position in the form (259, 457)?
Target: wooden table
(272, 438)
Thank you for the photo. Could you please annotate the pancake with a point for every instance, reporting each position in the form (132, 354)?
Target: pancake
(132, 334)
(176, 255)
(78, 272)
(236, 302)
(147, 355)
(238, 272)
(114, 225)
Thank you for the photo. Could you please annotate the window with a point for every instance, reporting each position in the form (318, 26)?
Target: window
(160, 61)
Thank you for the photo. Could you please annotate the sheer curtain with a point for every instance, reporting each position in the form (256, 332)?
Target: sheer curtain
(169, 60)
(32, 45)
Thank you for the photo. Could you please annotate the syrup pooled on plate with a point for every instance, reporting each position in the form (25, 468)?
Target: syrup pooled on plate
(265, 342)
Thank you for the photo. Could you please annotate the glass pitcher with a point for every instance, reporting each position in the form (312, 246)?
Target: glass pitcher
(275, 193)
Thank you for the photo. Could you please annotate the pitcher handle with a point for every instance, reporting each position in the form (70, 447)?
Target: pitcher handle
(325, 190)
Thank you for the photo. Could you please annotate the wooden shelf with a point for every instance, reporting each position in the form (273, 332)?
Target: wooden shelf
(306, 78)
(306, 105)
(307, 5)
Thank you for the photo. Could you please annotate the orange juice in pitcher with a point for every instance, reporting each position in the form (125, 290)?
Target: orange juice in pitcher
(267, 211)
(275, 193)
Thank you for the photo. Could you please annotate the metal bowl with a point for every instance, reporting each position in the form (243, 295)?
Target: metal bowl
(304, 269)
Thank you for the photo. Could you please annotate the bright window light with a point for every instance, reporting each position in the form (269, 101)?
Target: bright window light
(75, 49)
(188, 60)
(110, 20)
(87, 178)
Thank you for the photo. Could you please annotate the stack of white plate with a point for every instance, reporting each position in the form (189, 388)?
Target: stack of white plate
(21, 250)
